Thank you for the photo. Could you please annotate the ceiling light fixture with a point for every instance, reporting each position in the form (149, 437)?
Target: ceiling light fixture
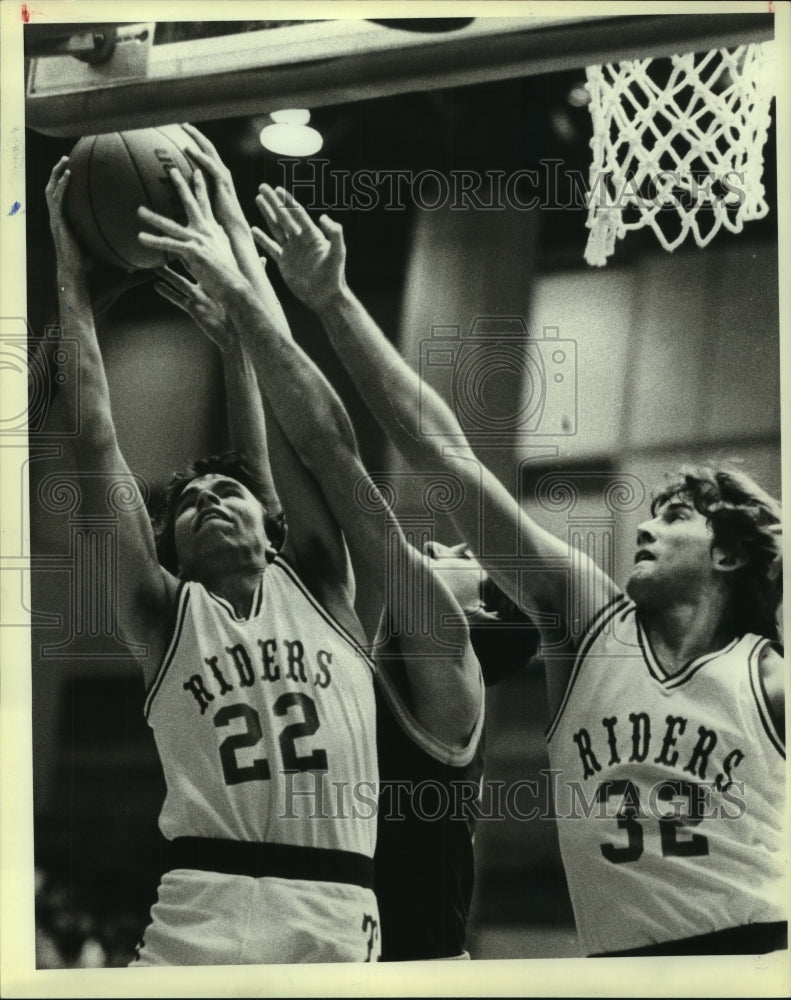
(291, 116)
(291, 140)
(579, 96)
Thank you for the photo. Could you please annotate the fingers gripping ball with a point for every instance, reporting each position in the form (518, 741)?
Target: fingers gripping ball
(111, 176)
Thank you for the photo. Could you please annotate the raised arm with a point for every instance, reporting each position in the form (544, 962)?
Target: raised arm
(314, 538)
(230, 216)
(246, 420)
(145, 592)
(387, 569)
(311, 260)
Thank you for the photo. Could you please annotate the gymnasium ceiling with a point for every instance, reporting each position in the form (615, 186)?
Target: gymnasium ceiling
(526, 121)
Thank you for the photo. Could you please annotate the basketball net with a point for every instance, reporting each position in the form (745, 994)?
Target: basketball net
(678, 146)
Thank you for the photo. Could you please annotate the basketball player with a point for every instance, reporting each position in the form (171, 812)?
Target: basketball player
(259, 688)
(443, 683)
(424, 867)
(245, 412)
(667, 734)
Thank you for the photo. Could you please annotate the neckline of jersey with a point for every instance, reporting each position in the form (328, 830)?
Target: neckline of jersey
(658, 670)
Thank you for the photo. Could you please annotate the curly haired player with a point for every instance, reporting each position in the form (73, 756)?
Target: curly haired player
(667, 705)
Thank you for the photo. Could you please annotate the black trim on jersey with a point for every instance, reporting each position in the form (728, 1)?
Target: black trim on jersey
(649, 657)
(690, 668)
(605, 614)
(759, 694)
(256, 859)
(255, 603)
(258, 599)
(182, 601)
(283, 563)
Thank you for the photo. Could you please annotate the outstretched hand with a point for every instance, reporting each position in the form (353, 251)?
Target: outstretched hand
(227, 209)
(67, 249)
(106, 283)
(206, 312)
(201, 245)
(311, 258)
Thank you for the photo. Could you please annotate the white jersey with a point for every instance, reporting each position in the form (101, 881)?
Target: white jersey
(265, 725)
(669, 790)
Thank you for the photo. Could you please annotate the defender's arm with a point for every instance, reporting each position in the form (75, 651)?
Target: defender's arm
(417, 419)
(320, 432)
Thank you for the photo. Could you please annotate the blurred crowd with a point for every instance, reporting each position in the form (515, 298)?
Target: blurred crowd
(74, 932)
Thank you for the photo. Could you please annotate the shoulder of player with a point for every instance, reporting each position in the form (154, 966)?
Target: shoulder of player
(447, 694)
(331, 585)
(319, 563)
(445, 725)
(771, 670)
(564, 662)
(150, 620)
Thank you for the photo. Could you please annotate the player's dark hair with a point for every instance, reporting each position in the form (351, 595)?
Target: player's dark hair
(742, 517)
(231, 463)
(505, 644)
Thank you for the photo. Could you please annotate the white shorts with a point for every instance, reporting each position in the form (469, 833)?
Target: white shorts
(207, 918)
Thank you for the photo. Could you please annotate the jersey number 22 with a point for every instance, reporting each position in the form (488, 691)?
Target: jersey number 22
(259, 770)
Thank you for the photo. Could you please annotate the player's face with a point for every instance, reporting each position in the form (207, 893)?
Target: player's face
(461, 573)
(673, 559)
(217, 518)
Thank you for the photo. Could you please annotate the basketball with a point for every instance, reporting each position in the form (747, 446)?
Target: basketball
(111, 176)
